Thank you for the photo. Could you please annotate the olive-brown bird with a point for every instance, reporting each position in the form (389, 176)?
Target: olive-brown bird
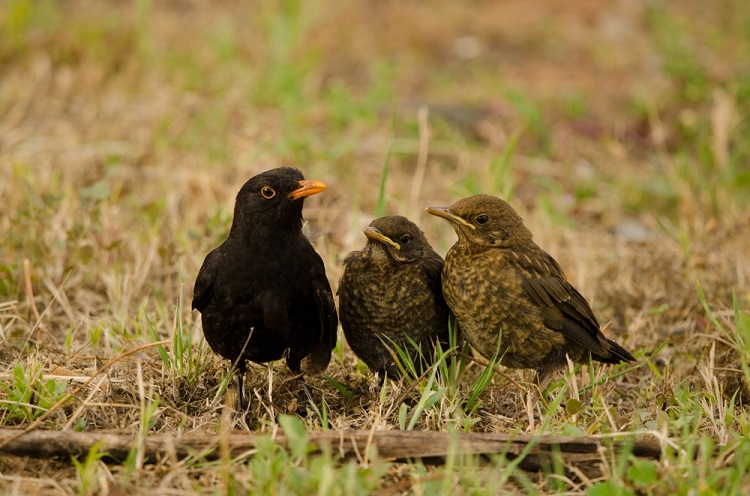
(511, 298)
(390, 293)
(263, 293)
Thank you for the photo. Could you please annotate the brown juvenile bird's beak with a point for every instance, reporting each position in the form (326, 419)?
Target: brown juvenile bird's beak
(373, 233)
(307, 187)
(446, 213)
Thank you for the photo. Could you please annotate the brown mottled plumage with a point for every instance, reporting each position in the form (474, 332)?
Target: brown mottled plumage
(511, 298)
(390, 293)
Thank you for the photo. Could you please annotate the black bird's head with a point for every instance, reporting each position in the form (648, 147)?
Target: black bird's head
(397, 238)
(273, 199)
(485, 220)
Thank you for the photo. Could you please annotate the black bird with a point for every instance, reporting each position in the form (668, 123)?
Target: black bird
(263, 293)
(512, 299)
(390, 293)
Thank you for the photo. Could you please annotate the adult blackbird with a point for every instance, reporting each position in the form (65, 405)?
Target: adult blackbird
(511, 298)
(390, 294)
(263, 293)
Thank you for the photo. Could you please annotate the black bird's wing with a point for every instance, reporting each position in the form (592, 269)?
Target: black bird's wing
(563, 308)
(320, 355)
(204, 283)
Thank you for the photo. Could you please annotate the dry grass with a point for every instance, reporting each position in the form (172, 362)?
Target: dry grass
(127, 129)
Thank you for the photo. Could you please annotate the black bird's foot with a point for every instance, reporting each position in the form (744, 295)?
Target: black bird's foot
(240, 383)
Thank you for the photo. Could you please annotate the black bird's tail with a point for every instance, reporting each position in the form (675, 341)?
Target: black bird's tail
(318, 359)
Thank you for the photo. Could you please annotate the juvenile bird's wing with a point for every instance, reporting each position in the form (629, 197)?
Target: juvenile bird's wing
(205, 281)
(433, 269)
(563, 308)
(432, 266)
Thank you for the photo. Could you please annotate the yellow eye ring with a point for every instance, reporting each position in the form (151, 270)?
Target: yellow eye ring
(267, 192)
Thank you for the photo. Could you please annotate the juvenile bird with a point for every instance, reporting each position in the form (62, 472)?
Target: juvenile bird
(512, 300)
(390, 293)
(263, 293)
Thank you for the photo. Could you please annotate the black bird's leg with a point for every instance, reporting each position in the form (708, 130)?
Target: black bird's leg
(241, 365)
(311, 400)
(306, 389)
(240, 375)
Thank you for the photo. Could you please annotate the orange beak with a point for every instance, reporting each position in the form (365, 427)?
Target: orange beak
(306, 188)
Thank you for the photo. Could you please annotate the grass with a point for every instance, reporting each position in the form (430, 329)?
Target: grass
(620, 134)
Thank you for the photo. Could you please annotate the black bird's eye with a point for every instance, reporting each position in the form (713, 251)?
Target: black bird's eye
(267, 192)
(404, 239)
(482, 219)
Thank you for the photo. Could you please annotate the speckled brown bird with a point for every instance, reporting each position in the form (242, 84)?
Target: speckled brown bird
(263, 293)
(390, 292)
(511, 298)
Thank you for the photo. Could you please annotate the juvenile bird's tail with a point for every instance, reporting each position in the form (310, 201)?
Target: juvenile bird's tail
(617, 354)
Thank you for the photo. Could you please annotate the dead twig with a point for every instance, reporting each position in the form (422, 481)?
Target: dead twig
(580, 455)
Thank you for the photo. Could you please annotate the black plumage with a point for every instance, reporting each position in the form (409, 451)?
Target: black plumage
(390, 293)
(263, 293)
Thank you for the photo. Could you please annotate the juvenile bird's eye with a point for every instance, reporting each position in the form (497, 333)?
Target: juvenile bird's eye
(482, 219)
(404, 239)
(267, 192)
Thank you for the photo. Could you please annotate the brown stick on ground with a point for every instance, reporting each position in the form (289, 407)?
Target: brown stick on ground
(544, 452)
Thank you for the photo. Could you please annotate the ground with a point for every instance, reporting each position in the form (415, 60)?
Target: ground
(618, 130)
